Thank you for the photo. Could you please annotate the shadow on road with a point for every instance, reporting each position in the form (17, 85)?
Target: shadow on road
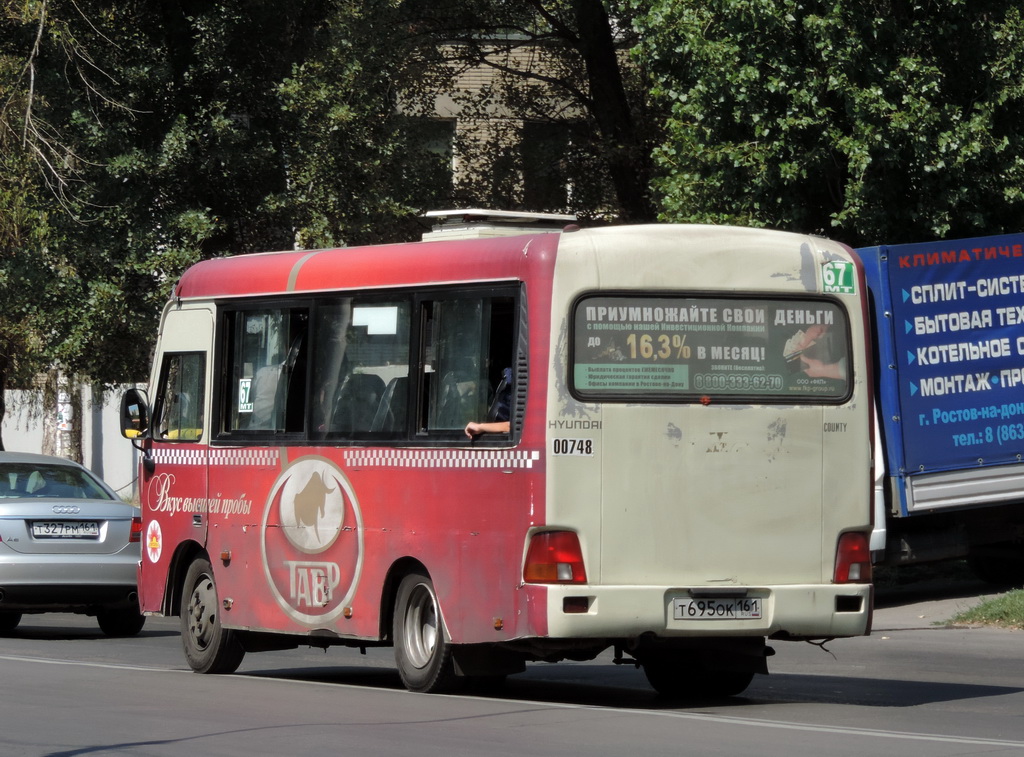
(603, 686)
(895, 587)
(88, 631)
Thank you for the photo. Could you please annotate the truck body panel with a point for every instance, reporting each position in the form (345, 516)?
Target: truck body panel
(948, 320)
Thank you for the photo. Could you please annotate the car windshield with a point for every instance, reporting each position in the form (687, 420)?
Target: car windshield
(29, 480)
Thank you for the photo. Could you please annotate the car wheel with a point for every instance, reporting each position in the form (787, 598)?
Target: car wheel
(121, 622)
(209, 648)
(422, 652)
(9, 621)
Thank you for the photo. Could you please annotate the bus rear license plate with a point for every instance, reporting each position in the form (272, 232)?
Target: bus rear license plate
(712, 608)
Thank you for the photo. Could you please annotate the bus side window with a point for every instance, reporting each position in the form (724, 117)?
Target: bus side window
(361, 368)
(267, 365)
(179, 403)
(468, 347)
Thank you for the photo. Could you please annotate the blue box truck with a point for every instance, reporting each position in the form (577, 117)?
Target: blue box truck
(949, 327)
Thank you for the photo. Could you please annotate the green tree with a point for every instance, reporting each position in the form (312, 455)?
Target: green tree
(27, 155)
(180, 133)
(209, 128)
(868, 120)
(357, 111)
(150, 136)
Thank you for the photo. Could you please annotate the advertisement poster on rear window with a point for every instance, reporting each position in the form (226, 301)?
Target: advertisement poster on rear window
(693, 348)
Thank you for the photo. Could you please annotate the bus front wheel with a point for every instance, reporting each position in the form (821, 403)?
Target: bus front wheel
(209, 648)
(422, 652)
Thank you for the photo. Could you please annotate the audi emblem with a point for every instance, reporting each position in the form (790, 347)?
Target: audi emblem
(67, 509)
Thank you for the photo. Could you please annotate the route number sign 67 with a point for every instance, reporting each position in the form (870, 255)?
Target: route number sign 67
(839, 277)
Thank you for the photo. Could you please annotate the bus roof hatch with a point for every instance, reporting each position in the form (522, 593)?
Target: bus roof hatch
(475, 223)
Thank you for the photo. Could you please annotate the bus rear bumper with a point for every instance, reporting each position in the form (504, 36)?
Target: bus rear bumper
(815, 611)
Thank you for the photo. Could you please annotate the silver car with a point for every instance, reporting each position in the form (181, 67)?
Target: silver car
(67, 544)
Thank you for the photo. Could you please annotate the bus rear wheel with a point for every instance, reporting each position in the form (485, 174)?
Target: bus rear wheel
(678, 677)
(423, 654)
(209, 648)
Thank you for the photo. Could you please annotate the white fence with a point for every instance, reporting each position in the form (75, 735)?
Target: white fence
(104, 451)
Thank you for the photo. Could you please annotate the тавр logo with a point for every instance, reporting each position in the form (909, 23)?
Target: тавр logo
(312, 540)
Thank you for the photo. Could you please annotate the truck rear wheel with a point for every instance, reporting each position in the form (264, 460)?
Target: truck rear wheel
(999, 564)
(209, 648)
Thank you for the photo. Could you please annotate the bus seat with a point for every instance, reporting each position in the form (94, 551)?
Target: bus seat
(358, 402)
(270, 391)
(59, 490)
(392, 411)
(266, 413)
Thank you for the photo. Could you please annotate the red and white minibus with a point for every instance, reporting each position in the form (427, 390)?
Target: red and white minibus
(677, 464)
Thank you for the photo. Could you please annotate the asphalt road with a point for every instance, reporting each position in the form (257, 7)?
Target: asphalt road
(911, 688)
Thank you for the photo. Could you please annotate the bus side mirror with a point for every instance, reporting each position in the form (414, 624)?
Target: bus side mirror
(134, 414)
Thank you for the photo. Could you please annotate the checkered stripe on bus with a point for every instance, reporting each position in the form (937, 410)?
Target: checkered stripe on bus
(189, 455)
(258, 458)
(446, 458)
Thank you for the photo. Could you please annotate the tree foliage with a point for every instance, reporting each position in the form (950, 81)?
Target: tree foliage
(154, 135)
(359, 168)
(869, 120)
(195, 129)
(183, 163)
(24, 227)
(138, 138)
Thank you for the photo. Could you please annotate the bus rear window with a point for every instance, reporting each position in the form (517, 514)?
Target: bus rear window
(685, 349)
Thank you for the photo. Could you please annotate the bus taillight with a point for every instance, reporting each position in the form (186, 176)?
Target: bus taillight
(554, 557)
(853, 559)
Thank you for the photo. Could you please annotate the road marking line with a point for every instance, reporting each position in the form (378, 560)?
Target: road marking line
(701, 717)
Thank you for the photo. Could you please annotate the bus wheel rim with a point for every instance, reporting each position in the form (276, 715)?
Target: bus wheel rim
(421, 626)
(202, 612)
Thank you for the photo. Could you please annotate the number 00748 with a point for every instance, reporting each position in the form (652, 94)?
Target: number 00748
(583, 447)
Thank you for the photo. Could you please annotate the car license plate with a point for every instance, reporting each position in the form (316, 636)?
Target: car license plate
(716, 608)
(66, 529)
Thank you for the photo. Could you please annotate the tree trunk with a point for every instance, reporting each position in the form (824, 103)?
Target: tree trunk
(3, 406)
(628, 158)
(62, 415)
(50, 413)
(76, 420)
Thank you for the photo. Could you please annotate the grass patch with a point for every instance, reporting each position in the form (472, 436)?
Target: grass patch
(1006, 611)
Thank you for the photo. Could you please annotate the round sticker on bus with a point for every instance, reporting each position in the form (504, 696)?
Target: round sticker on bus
(154, 541)
(312, 540)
